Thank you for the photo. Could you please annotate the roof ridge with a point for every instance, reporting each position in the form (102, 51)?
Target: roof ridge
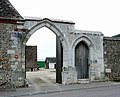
(7, 10)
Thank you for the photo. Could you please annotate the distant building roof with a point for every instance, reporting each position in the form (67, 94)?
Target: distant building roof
(117, 36)
(7, 11)
(50, 60)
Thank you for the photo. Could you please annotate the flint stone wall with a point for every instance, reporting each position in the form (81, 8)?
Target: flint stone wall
(5, 56)
(112, 57)
(11, 73)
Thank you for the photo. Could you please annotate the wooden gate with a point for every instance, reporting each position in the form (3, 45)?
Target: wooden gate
(81, 60)
(59, 61)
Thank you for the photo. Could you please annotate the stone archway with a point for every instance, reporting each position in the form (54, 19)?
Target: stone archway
(16, 30)
(61, 43)
(83, 46)
(68, 40)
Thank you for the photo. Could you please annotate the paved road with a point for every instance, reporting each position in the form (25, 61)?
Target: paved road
(112, 91)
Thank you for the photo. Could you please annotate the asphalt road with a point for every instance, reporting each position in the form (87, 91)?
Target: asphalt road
(111, 91)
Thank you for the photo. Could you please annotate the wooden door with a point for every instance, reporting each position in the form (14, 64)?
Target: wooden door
(59, 61)
(81, 60)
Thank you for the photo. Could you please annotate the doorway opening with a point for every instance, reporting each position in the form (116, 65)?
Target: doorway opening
(41, 59)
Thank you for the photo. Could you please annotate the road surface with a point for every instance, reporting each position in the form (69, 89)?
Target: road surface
(111, 91)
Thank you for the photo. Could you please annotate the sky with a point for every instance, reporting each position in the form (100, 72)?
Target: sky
(45, 40)
(92, 15)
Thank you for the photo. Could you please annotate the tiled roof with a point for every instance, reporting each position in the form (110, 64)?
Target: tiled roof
(7, 11)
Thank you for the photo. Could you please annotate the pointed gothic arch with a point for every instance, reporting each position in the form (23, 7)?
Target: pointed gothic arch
(46, 23)
(86, 45)
(86, 39)
(81, 60)
(60, 46)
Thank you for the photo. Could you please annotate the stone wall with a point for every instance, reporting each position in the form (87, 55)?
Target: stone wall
(112, 57)
(12, 74)
(5, 56)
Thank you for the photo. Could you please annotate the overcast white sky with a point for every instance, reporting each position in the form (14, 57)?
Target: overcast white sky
(93, 15)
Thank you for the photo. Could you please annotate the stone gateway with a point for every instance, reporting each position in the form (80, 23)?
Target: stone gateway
(79, 54)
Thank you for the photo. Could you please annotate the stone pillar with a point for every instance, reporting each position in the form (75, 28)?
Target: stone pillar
(17, 71)
(69, 75)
